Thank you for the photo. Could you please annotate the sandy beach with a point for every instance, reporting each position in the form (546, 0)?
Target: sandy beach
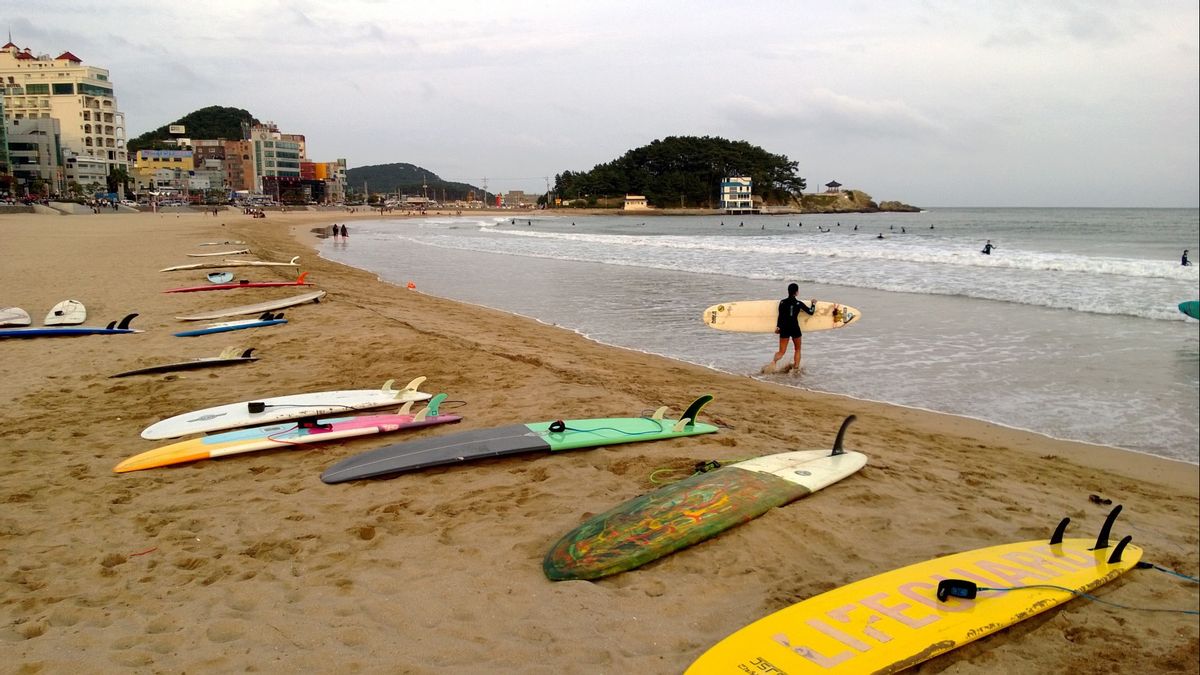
(252, 563)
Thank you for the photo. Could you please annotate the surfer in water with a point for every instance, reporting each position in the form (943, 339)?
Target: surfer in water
(787, 325)
(1184, 261)
(987, 248)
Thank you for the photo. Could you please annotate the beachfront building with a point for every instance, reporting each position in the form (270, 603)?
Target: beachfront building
(3, 141)
(736, 194)
(35, 158)
(636, 203)
(272, 155)
(79, 96)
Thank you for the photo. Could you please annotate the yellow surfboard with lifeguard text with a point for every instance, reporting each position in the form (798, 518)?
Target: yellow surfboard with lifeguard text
(898, 619)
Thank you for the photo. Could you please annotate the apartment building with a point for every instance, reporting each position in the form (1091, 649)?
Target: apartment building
(79, 96)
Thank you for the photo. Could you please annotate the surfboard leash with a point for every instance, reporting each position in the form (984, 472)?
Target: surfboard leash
(1087, 596)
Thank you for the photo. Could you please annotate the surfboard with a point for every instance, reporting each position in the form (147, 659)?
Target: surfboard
(66, 313)
(898, 619)
(14, 316)
(220, 277)
(555, 436)
(258, 307)
(295, 262)
(219, 253)
(287, 434)
(267, 319)
(280, 408)
(694, 509)
(300, 281)
(759, 316)
(221, 243)
(113, 328)
(1191, 308)
(229, 356)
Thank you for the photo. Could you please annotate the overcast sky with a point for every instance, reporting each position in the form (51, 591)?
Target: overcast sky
(1056, 103)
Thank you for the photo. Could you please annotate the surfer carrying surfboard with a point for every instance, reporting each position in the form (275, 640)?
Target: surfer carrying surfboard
(787, 325)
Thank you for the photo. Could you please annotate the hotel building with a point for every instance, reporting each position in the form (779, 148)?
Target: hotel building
(80, 97)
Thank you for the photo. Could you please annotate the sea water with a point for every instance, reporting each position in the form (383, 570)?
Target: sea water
(1069, 328)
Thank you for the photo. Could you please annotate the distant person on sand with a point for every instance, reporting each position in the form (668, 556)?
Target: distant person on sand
(787, 325)
(344, 232)
(1184, 261)
(987, 248)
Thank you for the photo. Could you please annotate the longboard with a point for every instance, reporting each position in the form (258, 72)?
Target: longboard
(66, 313)
(280, 408)
(898, 619)
(759, 316)
(228, 357)
(258, 307)
(267, 319)
(113, 328)
(287, 434)
(221, 243)
(222, 286)
(1191, 308)
(553, 436)
(295, 262)
(694, 509)
(210, 255)
(14, 316)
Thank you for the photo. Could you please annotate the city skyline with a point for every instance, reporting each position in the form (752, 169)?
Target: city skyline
(1088, 104)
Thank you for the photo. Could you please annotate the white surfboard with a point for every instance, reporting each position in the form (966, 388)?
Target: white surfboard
(210, 255)
(294, 262)
(758, 316)
(14, 316)
(66, 313)
(221, 243)
(280, 408)
(258, 308)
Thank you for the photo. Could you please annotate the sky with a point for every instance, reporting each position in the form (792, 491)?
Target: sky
(1017, 103)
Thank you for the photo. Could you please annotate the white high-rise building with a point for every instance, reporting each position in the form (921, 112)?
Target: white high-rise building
(80, 97)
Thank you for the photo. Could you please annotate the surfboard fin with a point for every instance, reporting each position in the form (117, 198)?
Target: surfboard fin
(300, 279)
(1119, 550)
(841, 434)
(411, 386)
(693, 410)
(431, 408)
(294, 260)
(405, 409)
(111, 325)
(1102, 539)
(1059, 531)
(124, 325)
(681, 424)
(246, 354)
(658, 414)
(265, 316)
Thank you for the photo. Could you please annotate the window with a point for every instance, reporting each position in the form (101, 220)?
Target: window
(62, 88)
(43, 89)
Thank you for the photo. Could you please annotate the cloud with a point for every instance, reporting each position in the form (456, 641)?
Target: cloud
(828, 112)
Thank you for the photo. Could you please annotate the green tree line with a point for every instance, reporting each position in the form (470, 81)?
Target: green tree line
(685, 171)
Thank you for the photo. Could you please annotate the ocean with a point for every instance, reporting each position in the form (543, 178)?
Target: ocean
(1069, 328)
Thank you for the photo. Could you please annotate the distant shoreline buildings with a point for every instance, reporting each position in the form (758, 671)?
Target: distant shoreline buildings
(63, 135)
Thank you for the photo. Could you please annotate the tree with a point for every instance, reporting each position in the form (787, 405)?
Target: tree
(118, 176)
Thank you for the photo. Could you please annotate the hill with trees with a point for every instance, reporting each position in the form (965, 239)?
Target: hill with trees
(408, 179)
(212, 122)
(684, 172)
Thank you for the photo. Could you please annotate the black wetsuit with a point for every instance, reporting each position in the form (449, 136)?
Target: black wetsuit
(788, 321)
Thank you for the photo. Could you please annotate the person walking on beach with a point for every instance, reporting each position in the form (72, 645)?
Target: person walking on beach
(987, 248)
(1184, 261)
(335, 230)
(344, 232)
(787, 325)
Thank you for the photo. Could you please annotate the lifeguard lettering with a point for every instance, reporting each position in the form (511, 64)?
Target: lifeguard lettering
(882, 617)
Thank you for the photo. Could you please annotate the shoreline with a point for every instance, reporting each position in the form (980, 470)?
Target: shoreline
(181, 568)
(1114, 462)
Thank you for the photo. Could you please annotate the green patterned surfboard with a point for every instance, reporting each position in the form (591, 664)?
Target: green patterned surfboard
(694, 509)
